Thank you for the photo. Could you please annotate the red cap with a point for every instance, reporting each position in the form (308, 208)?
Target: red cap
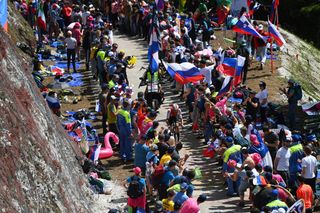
(137, 170)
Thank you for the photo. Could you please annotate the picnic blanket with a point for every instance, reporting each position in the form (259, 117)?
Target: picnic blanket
(63, 64)
(76, 79)
(71, 118)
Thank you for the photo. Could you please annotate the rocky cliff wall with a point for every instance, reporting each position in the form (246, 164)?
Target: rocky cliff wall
(39, 172)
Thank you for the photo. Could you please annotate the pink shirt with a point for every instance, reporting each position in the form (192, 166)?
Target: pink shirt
(77, 35)
(190, 206)
(222, 105)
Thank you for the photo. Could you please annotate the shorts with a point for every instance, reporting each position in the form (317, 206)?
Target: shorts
(244, 185)
(172, 120)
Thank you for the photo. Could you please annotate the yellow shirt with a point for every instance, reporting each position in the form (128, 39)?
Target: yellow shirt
(168, 205)
(165, 159)
(111, 118)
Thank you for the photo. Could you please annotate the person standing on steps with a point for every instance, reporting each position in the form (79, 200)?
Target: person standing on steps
(125, 132)
(103, 106)
(292, 101)
(71, 44)
(244, 52)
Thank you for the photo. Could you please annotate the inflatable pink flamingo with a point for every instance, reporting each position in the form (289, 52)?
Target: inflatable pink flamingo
(106, 151)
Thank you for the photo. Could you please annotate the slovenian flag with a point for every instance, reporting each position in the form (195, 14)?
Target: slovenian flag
(41, 19)
(275, 34)
(154, 45)
(243, 26)
(95, 151)
(184, 73)
(4, 14)
(275, 4)
(226, 86)
(237, 77)
(228, 66)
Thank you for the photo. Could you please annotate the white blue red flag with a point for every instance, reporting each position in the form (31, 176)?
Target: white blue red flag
(243, 26)
(275, 34)
(95, 151)
(226, 86)
(4, 14)
(154, 45)
(184, 73)
(228, 66)
(237, 77)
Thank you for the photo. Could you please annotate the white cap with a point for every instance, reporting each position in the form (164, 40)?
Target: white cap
(260, 27)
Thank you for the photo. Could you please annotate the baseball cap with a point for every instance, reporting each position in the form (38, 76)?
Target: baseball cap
(113, 97)
(260, 27)
(153, 147)
(158, 206)
(296, 138)
(137, 170)
(229, 139)
(311, 138)
(183, 186)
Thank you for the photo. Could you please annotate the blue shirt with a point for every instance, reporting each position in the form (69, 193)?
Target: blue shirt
(140, 151)
(142, 181)
(180, 197)
(155, 159)
(167, 178)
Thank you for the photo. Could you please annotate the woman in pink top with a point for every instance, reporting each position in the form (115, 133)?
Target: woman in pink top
(191, 205)
(76, 33)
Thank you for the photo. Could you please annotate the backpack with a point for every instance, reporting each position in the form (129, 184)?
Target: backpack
(297, 91)
(134, 189)
(157, 176)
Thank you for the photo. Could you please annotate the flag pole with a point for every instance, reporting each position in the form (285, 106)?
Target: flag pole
(277, 18)
(271, 51)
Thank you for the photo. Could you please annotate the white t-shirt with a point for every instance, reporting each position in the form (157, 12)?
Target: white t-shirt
(206, 72)
(85, 15)
(262, 95)
(71, 43)
(309, 163)
(283, 154)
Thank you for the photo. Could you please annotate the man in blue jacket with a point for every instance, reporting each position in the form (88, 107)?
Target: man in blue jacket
(125, 137)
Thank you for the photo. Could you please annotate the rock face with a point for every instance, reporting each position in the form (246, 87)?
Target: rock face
(39, 172)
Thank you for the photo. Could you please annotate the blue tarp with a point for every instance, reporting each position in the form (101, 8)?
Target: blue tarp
(63, 64)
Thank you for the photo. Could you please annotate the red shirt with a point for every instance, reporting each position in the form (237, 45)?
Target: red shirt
(305, 193)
